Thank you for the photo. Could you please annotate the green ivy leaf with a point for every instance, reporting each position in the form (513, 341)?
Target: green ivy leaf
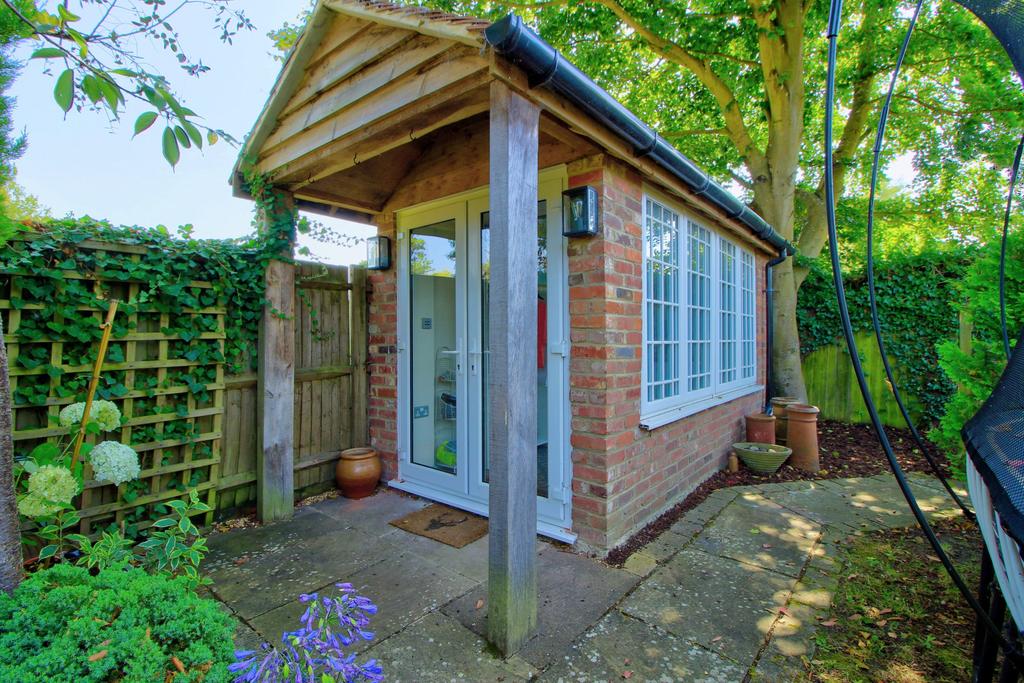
(64, 90)
(145, 120)
(170, 147)
(48, 53)
(182, 136)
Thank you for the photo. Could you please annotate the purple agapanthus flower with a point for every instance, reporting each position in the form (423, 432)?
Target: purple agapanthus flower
(317, 647)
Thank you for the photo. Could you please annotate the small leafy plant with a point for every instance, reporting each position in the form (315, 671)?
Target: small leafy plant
(176, 547)
(315, 652)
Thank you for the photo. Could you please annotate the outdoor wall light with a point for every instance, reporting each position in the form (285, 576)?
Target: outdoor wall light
(581, 212)
(378, 253)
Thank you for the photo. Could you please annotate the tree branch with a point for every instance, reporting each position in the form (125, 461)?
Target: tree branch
(738, 132)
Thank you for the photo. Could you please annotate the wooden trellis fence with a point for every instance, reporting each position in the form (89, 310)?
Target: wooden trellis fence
(177, 432)
(192, 426)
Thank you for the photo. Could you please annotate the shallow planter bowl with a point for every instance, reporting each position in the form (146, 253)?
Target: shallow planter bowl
(765, 458)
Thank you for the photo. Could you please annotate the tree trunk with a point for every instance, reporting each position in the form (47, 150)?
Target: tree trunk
(10, 536)
(786, 361)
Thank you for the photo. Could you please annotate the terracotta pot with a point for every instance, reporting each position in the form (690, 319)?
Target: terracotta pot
(358, 472)
(760, 428)
(803, 436)
(779, 404)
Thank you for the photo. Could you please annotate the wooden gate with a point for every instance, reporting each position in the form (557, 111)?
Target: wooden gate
(331, 387)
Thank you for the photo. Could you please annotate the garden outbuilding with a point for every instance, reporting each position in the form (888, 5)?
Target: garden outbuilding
(567, 311)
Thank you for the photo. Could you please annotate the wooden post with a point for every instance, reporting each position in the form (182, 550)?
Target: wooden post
(512, 387)
(359, 339)
(275, 390)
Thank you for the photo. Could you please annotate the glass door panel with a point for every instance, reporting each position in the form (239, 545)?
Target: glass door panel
(434, 347)
(542, 334)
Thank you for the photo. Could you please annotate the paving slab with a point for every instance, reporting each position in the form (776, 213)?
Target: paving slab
(573, 593)
(619, 647)
(404, 587)
(718, 603)
(438, 648)
(375, 513)
(290, 564)
(757, 531)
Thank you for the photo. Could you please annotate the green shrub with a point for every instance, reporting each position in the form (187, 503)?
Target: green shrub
(976, 374)
(59, 623)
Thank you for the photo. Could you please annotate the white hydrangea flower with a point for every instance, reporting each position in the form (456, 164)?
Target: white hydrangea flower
(72, 414)
(53, 484)
(34, 506)
(106, 414)
(114, 462)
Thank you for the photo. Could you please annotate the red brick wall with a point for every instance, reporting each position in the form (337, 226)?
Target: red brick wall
(625, 476)
(383, 356)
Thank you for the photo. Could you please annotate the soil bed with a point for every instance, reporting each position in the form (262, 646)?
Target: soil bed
(847, 450)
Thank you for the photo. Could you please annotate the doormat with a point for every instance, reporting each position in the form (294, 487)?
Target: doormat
(442, 523)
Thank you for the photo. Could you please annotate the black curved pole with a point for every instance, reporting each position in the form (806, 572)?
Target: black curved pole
(1002, 251)
(834, 22)
(883, 121)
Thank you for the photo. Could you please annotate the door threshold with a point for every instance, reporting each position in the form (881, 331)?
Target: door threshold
(546, 529)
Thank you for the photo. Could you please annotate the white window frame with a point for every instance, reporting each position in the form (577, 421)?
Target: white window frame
(656, 413)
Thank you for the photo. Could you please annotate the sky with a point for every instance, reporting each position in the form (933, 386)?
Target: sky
(86, 166)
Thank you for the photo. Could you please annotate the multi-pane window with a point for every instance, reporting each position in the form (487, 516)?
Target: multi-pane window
(661, 301)
(727, 332)
(699, 315)
(748, 278)
(698, 308)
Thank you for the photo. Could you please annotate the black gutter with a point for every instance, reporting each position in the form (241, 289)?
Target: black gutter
(769, 333)
(544, 66)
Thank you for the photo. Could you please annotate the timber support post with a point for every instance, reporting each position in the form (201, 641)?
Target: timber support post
(275, 389)
(512, 384)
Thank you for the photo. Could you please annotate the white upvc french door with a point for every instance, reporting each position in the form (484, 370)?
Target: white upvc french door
(444, 276)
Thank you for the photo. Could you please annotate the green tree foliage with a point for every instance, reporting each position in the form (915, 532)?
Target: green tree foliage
(976, 373)
(98, 58)
(63, 624)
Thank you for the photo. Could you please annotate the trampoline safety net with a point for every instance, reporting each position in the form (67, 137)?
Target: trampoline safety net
(1005, 18)
(994, 439)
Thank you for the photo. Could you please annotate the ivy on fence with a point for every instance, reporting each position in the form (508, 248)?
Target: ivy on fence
(916, 303)
(171, 344)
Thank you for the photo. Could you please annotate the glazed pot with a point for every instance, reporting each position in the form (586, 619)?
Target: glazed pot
(765, 458)
(760, 428)
(779, 404)
(358, 472)
(803, 436)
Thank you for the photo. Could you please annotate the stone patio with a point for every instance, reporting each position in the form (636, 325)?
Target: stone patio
(732, 592)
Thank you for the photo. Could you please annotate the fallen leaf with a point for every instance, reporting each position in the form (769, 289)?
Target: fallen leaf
(479, 603)
(97, 656)
(766, 546)
(105, 643)
(241, 560)
(887, 610)
(178, 664)
(626, 661)
(829, 623)
(627, 674)
(716, 639)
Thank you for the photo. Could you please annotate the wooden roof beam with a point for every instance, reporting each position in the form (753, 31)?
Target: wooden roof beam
(459, 101)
